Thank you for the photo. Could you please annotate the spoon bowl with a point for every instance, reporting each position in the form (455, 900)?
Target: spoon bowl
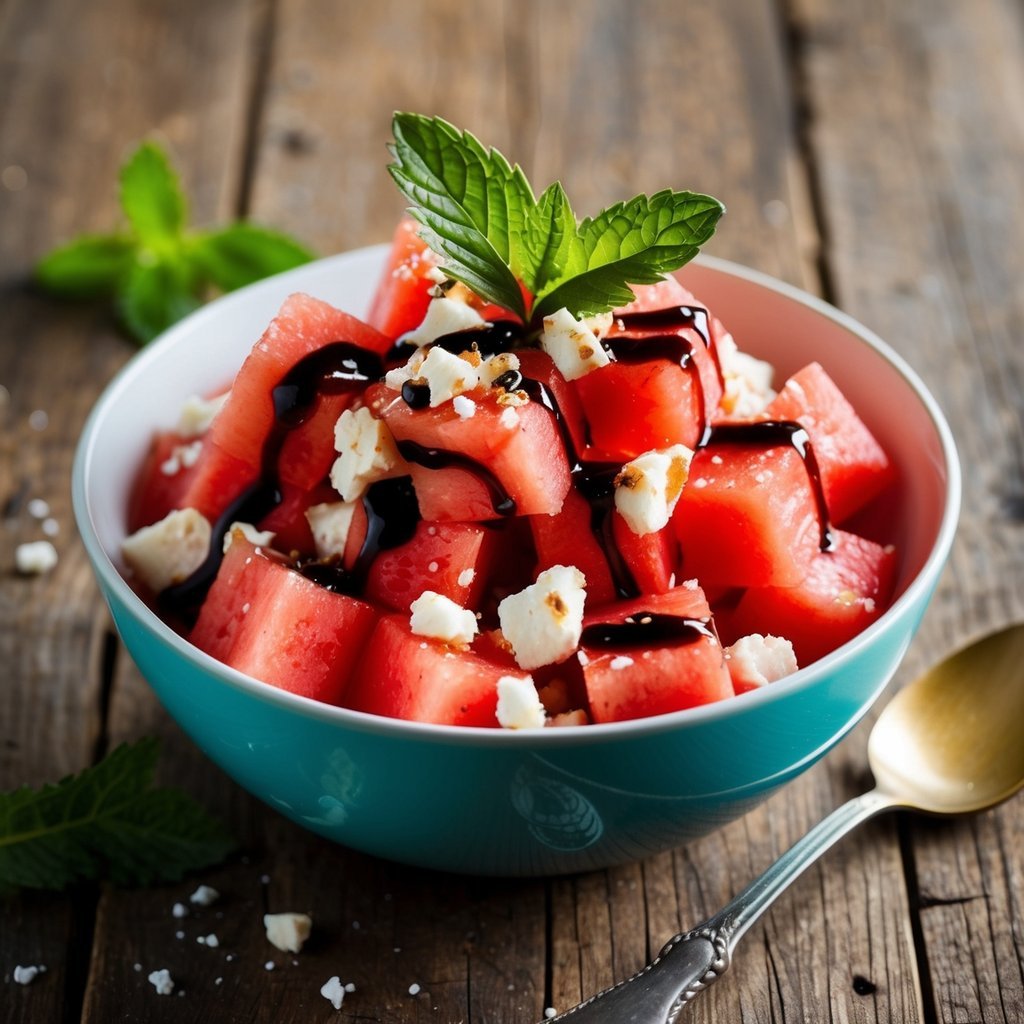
(949, 743)
(952, 742)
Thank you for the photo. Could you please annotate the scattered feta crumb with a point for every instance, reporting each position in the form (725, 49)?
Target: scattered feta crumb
(466, 577)
(447, 375)
(210, 940)
(414, 989)
(519, 707)
(168, 551)
(269, 965)
(620, 662)
(26, 975)
(330, 523)
(39, 419)
(261, 538)
(197, 414)
(465, 408)
(509, 418)
(333, 991)
(444, 315)
(137, 968)
(38, 508)
(395, 378)
(494, 366)
(182, 456)
(350, 986)
(179, 910)
(161, 980)
(218, 981)
(748, 381)
(287, 931)
(367, 453)
(179, 935)
(265, 879)
(757, 660)
(543, 622)
(35, 558)
(648, 487)
(51, 527)
(550, 1012)
(572, 345)
(440, 618)
(204, 896)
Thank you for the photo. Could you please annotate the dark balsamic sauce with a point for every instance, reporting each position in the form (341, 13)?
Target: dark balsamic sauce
(439, 458)
(499, 336)
(333, 369)
(781, 433)
(647, 629)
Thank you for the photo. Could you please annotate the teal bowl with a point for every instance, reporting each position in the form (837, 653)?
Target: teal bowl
(520, 803)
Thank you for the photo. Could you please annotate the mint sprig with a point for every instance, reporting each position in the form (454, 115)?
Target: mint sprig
(107, 822)
(156, 268)
(480, 213)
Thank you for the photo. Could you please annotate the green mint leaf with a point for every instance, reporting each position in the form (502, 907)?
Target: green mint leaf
(108, 822)
(89, 266)
(243, 253)
(152, 198)
(156, 294)
(548, 238)
(472, 204)
(634, 242)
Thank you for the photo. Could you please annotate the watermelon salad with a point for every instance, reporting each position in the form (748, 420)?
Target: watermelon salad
(432, 515)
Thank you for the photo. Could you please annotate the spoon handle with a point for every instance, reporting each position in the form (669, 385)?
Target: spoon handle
(693, 960)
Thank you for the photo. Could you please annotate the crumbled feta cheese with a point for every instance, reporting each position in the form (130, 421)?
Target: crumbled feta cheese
(445, 315)
(466, 577)
(414, 989)
(757, 660)
(440, 618)
(330, 523)
(51, 527)
(204, 896)
(210, 940)
(572, 345)
(519, 707)
(261, 538)
(183, 456)
(287, 931)
(26, 975)
(197, 414)
(39, 419)
(269, 965)
(543, 622)
(447, 376)
(35, 558)
(465, 408)
(38, 508)
(168, 551)
(333, 991)
(550, 1012)
(509, 419)
(410, 371)
(161, 980)
(620, 662)
(179, 910)
(366, 450)
(494, 366)
(647, 489)
(748, 381)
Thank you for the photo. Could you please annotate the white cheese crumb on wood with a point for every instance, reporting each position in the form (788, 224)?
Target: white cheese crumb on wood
(204, 896)
(333, 991)
(35, 558)
(168, 551)
(162, 981)
(287, 931)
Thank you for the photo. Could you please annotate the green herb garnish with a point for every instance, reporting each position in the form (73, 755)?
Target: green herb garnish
(156, 269)
(479, 212)
(107, 822)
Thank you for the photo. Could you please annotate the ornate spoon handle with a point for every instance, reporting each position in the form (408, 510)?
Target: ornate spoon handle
(692, 961)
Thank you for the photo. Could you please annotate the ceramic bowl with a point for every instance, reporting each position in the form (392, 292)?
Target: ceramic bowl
(508, 803)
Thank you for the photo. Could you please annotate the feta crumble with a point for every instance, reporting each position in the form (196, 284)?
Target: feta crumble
(494, 366)
(333, 991)
(466, 577)
(414, 989)
(179, 910)
(447, 376)
(261, 538)
(162, 981)
(183, 456)
(509, 418)
(440, 618)
(330, 523)
(197, 414)
(168, 551)
(35, 558)
(748, 381)
(757, 660)
(543, 622)
(620, 662)
(38, 508)
(26, 975)
(574, 348)
(445, 315)
(465, 408)
(287, 931)
(648, 487)
(367, 453)
(204, 896)
(519, 707)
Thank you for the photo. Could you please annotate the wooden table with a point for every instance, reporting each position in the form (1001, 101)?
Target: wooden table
(869, 152)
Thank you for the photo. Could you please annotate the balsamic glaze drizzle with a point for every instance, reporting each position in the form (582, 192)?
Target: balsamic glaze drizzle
(647, 629)
(439, 458)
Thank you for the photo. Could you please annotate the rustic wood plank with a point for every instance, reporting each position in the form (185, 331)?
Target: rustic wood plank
(917, 159)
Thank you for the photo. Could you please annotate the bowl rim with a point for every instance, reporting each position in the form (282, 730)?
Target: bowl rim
(115, 584)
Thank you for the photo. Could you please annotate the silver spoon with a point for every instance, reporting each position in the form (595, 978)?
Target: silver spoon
(949, 743)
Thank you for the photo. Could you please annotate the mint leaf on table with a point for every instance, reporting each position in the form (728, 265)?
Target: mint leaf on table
(156, 269)
(480, 214)
(107, 822)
